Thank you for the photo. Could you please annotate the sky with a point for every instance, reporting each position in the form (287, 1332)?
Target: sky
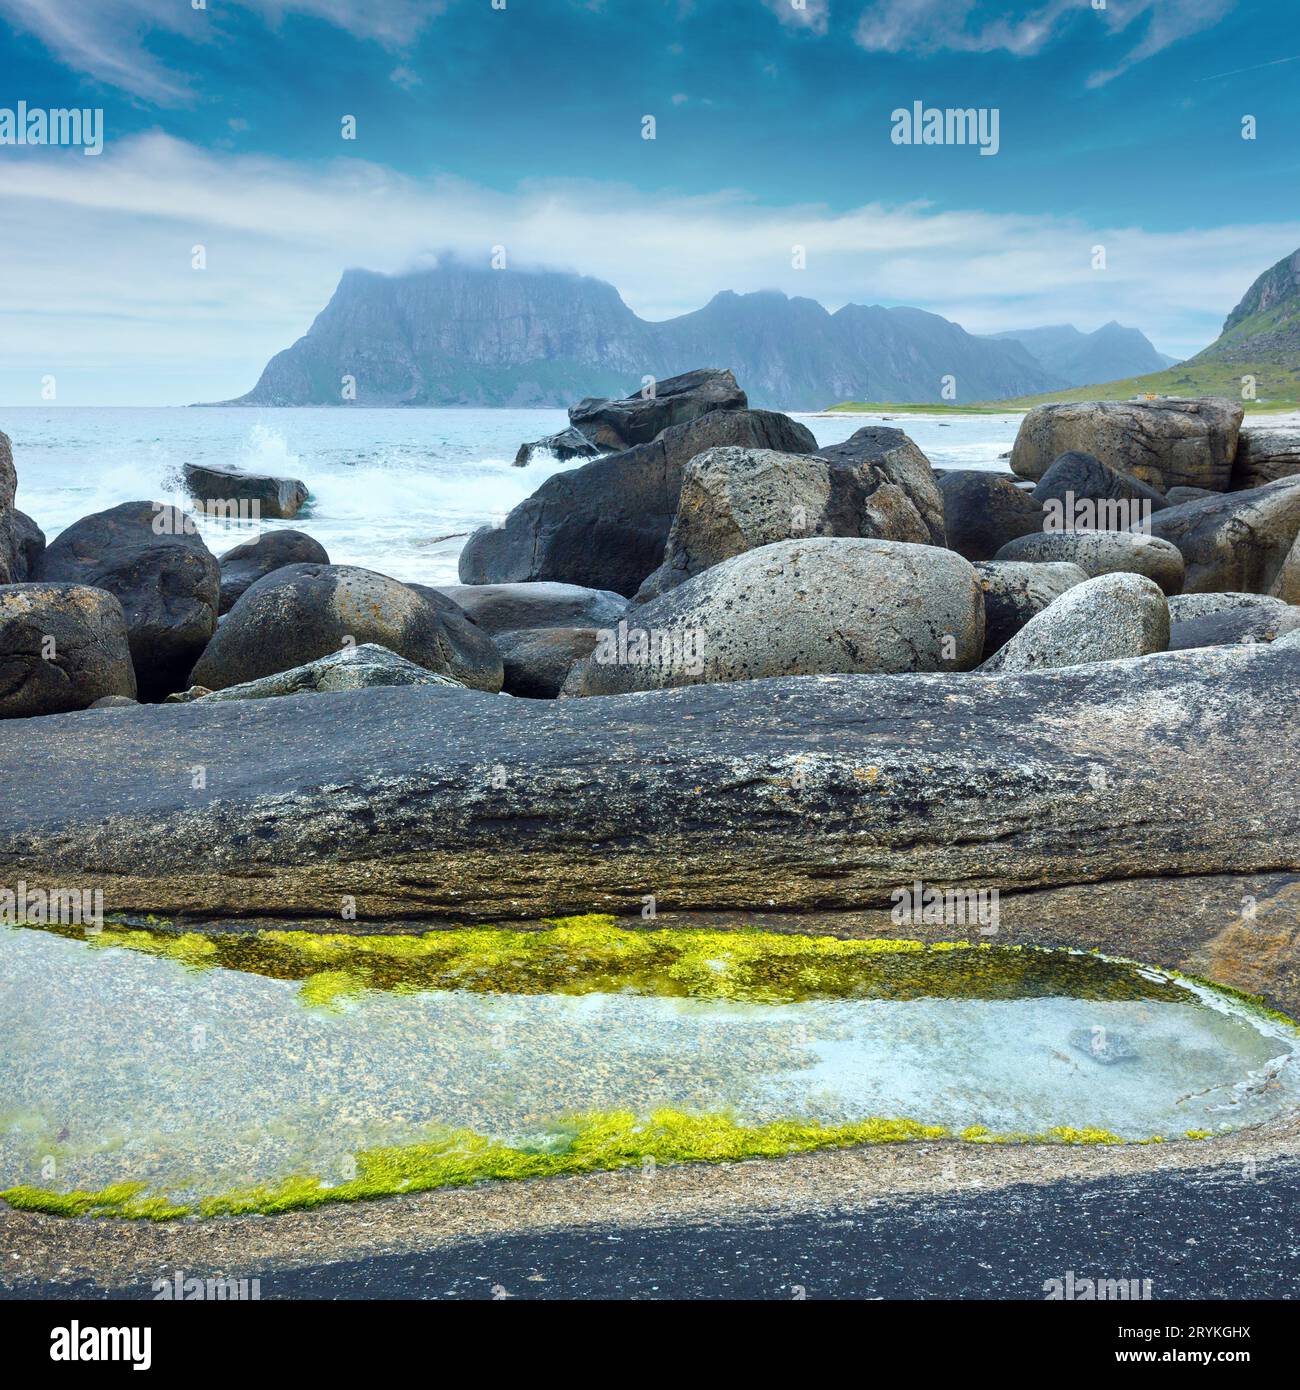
(520, 123)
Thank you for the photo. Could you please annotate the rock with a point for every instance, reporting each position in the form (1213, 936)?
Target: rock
(1103, 552)
(1237, 542)
(9, 565)
(1198, 621)
(567, 444)
(875, 486)
(1289, 641)
(604, 525)
(150, 557)
(1286, 585)
(537, 660)
(1166, 443)
(62, 647)
(245, 564)
(114, 702)
(301, 613)
(1101, 787)
(1117, 500)
(983, 511)
(29, 546)
(640, 418)
(797, 608)
(1109, 618)
(509, 607)
(354, 668)
(1176, 496)
(1015, 590)
(227, 491)
(1264, 456)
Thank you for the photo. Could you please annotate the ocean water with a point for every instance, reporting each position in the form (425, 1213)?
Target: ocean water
(392, 490)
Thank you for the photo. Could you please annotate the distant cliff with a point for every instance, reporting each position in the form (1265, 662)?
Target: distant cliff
(458, 335)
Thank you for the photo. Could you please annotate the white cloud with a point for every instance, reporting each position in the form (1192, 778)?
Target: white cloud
(932, 26)
(96, 279)
(813, 15)
(106, 39)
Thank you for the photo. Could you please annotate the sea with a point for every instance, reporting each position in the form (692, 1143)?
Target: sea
(396, 491)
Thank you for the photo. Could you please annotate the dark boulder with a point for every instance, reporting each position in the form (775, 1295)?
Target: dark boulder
(509, 607)
(639, 418)
(8, 487)
(246, 564)
(1264, 456)
(983, 511)
(224, 490)
(150, 557)
(537, 660)
(604, 525)
(1221, 620)
(300, 613)
(62, 647)
(29, 546)
(1017, 590)
(1078, 476)
(568, 444)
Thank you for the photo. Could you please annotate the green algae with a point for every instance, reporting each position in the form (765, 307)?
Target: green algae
(593, 954)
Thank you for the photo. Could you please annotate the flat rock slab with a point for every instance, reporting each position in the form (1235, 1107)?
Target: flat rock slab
(789, 794)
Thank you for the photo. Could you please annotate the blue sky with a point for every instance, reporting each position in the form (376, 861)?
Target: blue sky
(1120, 125)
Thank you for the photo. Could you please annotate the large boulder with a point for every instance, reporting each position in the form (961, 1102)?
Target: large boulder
(1016, 590)
(1166, 443)
(300, 613)
(29, 546)
(1264, 456)
(1109, 618)
(151, 558)
(797, 608)
(223, 490)
(1103, 498)
(871, 468)
(1220, 620)
(510, 607)
(982, 511)
(353, 668)
(1237, 542)
(639, 418)
(244, 565)
(567, 444)
(1103, 552)
(538, 660)
(604, 525)
(62, 647)
(8, 487)
(1286, 583)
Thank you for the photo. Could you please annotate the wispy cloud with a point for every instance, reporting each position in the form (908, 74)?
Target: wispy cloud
(813, 15)
(965, 26)
(97, 270)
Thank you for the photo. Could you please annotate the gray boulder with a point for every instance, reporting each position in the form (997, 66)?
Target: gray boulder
(1286, 584)
(29, 546)
(1109, 618)
(982, 511)
(1016, 590)
(8, 487)
(500, 608)
(150, 557)
(244, 565)
(639, 418)
(1103, 552)
(1078, 477)
(797, 608)
(1264, 456)
(1166, 443)
(1176, 496)
(538, 660)
(567, 444)
(62, 647)
(870, 469)
(354, 668)
(298, 614)
(221, 489)
(1221, 620)
(604, 525)
(1237, 542)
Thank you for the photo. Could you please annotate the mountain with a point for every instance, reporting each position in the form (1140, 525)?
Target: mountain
(1260, 340)
(1080, 358)
(460, 335)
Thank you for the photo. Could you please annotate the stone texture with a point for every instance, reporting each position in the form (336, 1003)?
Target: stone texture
(300, 613)
(639, 418)
(508, 607)
(791, 795)
(1238, 542)
(9, 568)
(982, 511)
(1262, 620)
(62, 647)
(537, 660)
(29, 546)
(567, 444)
(1103, 552)
(1109, 618)
(152, 560)
(798, 608)
(1264, 456)
(277, 499)
(1016, 590)
(604, 525)
(1286, 583)
(1166, 443)
(354, 668)
(244, 565)
(1078, 475)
